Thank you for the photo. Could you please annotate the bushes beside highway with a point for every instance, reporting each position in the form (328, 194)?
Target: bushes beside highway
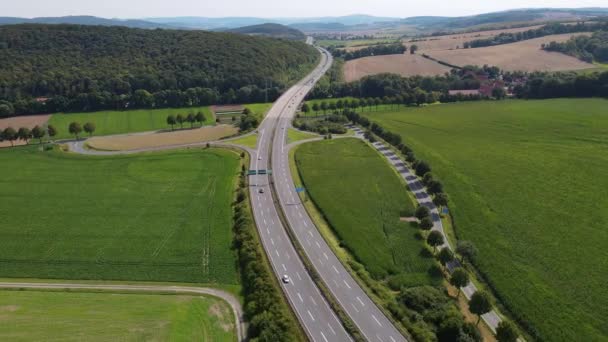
(265, 309)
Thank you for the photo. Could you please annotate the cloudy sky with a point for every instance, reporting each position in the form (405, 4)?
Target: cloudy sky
(272, 8)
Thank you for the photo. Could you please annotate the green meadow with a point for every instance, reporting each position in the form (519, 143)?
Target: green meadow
(149, 217)
(527, 182)
(79, 316)
(362, 199)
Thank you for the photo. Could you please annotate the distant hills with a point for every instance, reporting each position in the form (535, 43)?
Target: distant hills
(349, 23)
(271, 30)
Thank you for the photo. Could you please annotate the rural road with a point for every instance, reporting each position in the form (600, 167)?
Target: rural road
(226, 296)
(491, 318)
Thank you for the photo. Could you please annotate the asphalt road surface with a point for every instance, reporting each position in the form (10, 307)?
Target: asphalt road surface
(315, 314)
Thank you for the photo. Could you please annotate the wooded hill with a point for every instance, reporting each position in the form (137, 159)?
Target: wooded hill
(93, 67)
(271, 30)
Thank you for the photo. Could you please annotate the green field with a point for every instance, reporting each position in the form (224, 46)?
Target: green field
(65, 316)
(294, 135)
(149, 217)
(366, 218)
(141, 120)
(527, 182)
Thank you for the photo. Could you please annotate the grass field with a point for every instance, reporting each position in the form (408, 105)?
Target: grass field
(526, 181)
(141, 120)
(64, 316)
(150, 217)
(294, 135)
(250, 141)
(403, 64)
(366, 218)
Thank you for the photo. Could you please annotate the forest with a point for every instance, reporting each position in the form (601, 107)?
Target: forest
(56, 68)
(589, 49)
(372, 50)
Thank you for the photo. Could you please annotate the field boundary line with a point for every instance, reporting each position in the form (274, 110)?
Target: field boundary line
(227, 297)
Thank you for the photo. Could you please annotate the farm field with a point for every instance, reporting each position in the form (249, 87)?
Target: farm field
(525, 55)
(65, 316)
(150, 217)
(159, 139)
(523, 179)
(454, 41)
(404, 65)
(366, 218)
(17, 122)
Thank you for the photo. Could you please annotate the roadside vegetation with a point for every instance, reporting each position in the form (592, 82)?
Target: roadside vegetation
(149, 217)
(389, 256)
(507, 163)
(38, 316)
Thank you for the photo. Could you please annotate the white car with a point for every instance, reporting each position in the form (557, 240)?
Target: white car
(260, 158)
(285, 279)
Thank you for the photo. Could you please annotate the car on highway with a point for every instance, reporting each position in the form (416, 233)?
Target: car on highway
(285, 279)
(261, 191)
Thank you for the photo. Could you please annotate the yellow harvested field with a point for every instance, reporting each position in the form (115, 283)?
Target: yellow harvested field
(454, 41)
(404, 65)
(152, 140)
(523, 56)
(17, 122)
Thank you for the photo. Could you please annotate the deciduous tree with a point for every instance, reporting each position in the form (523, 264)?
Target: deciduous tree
(10, 134)
(90, 127)
(24, 134)
(435, 239)
(506, 332)
(422, 212)
(38, 133)
(466, 249)
(459, 278)
(445, 255)
(75, 128)
(171, 121)
(480, 304)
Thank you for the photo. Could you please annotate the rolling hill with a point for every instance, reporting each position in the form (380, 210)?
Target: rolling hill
(83, 68)
(84, 20)
(271, 30)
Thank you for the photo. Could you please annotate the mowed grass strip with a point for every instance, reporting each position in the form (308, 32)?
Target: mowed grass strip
(121, 122)
(362, 198)
(152, 217)
(65, 316)
(527, 184)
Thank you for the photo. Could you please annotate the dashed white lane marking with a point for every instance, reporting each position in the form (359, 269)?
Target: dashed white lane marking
(392, 339)
(300, 214)
(313, 300)
(323, 335)
(335, 282)
(308, 242)
(298, 275)
(345, 283)
(335, 269)
(300, 296)
(311, 316)
(377, 321)
(360, 301)
(310, 233)
(267, 230)
(331, 329)
(354, 307)
(320, 261)
(272, 241)
(277, 252)
(318, 246)
(379, 338)
(305, 224)
(325, 255)
(284, 268)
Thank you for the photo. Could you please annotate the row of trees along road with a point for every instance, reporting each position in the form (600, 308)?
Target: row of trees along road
(480, 302)
(25, 134)
(191, 118)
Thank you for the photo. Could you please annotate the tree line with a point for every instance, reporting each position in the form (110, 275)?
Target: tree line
(546, 30)
(372, 50)
(564, 84)
(67, 68)
(26, 134)
(588, 49)
(426, 300)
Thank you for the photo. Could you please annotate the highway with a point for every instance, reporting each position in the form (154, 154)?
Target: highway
(314, 313)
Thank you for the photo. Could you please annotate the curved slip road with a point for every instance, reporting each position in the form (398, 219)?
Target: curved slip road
(226, 296)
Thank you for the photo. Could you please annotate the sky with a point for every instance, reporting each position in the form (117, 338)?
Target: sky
(272, 8)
